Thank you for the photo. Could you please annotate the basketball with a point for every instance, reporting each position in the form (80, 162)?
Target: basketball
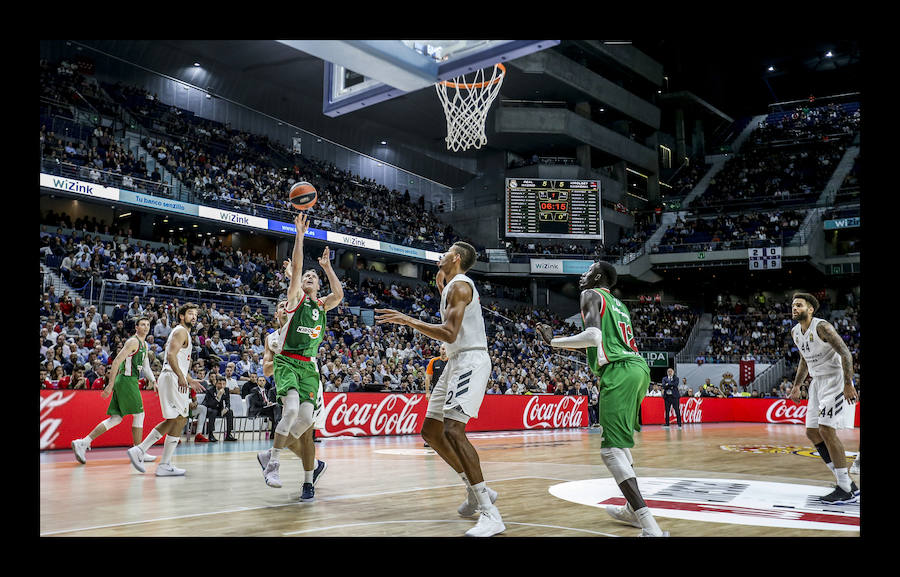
(303, 195)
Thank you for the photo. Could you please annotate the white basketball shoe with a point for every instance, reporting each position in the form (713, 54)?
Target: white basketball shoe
(168, 470)
(489, 523)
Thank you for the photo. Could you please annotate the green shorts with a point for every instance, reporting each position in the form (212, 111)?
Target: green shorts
(623, 385)
(126, 398)
(292, 373)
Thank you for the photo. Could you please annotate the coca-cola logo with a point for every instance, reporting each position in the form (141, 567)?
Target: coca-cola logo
(50, 426)
(564, 413)
(781, 412)
(393, 415)
(691, 411)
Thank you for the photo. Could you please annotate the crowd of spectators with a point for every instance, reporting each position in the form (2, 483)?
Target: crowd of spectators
(687, 177)
(729, 232)
(808, 121)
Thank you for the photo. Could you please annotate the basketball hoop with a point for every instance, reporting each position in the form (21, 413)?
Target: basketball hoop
(466, 105)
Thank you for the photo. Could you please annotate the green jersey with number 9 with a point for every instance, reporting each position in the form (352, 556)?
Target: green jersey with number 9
(618, 338)
(305, 328)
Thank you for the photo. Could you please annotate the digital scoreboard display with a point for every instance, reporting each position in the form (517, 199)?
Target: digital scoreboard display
(540, 208)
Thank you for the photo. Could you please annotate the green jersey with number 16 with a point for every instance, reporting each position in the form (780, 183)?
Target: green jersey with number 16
(618, 339)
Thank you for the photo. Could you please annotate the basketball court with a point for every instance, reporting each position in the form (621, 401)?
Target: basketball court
(722, 480)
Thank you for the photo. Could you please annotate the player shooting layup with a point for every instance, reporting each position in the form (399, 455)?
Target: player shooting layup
(458, 394)
(296, 369)
(304, 447)
(624, 377)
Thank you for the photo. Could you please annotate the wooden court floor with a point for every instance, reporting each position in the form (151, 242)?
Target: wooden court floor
(548, 483)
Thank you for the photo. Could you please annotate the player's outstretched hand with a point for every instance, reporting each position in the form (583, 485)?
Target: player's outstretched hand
(301, 222)
(545, 332)
(324, 260)
(390, 316)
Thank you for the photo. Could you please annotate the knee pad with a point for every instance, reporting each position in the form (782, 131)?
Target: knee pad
(138, 421)
(112, 421)
(289, 413)
(616, 460)
(303, 421)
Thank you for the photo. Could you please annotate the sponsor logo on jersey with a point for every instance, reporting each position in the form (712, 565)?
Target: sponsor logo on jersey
(311, 331)
(731, 501)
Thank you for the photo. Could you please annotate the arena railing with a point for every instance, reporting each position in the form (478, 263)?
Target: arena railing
(115, 292)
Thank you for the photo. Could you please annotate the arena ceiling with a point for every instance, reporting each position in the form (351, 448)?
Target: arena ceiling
(287, 84)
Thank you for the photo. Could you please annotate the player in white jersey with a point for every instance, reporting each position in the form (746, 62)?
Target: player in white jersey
(458, 394)
(172, 384)
(824, 356)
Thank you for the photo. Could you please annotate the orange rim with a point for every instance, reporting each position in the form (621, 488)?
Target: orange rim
(459, 85)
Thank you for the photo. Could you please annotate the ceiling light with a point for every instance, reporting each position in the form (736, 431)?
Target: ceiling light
(196, 225)
(180, 228)
(828, 54)
(223, 230)
(383, 142)
(771, 69)
(196, 64)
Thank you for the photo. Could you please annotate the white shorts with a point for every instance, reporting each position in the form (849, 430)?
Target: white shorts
(459, 392)
(319, 411)
(173, 402)
(827, 405)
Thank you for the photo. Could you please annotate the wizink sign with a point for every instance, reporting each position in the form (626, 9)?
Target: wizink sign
(79, 187)
(839, 223)
(232, 217)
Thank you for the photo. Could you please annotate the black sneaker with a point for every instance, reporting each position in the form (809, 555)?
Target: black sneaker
(213, 439)
(308, 493)
(854, 489)
(320, 468)
(839, 496)
(230, 438)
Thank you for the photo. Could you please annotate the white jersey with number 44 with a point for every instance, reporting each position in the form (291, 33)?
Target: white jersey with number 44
(821, 358)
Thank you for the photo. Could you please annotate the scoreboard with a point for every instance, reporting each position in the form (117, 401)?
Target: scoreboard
(768, 258)
(539, 208)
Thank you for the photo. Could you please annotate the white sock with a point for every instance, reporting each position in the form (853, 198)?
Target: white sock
(481, 493)
(645, 517)
(150, 439)
(87, 440)
(308, 475)
(468, 485)
(273, 455)
(843, 478)
(168, 449)
(831, 467)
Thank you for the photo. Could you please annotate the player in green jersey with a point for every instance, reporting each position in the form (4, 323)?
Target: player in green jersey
(624, 377)
(123, 386)
(296, 370)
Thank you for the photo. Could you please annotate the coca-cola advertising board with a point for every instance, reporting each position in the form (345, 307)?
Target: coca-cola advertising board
(69, 415)
(715, 410)
(369, 414)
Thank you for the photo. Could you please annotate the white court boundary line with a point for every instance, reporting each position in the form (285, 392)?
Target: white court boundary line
(369, 523)
(294, 503)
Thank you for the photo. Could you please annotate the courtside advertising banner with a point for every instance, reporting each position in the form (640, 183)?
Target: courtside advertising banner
(730, 410)
(70, 415)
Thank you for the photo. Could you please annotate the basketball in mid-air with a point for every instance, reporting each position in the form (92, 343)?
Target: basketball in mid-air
(303, 195)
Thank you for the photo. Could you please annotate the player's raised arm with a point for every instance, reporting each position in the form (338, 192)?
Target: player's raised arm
(458, 298)
(337, 291)
(592, 305)
(129, 348)
(828, 334)
(301, 222)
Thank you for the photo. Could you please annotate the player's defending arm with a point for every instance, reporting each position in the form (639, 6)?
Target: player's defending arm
(591, 305)
(802, 372)
(301, 222)
(337, 291)
(177, 340)
(828, 334)
(268, 360)
(459, 296)
(148, 372)
(130, 347)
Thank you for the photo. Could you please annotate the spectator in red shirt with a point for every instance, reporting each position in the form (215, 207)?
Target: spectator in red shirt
(100, 381)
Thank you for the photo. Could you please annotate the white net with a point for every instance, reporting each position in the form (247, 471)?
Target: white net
(466, 105)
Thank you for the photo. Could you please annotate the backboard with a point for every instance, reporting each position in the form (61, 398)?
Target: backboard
(360, 73)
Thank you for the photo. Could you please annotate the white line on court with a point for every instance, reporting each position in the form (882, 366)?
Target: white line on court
(440, 521)
(241, 509)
